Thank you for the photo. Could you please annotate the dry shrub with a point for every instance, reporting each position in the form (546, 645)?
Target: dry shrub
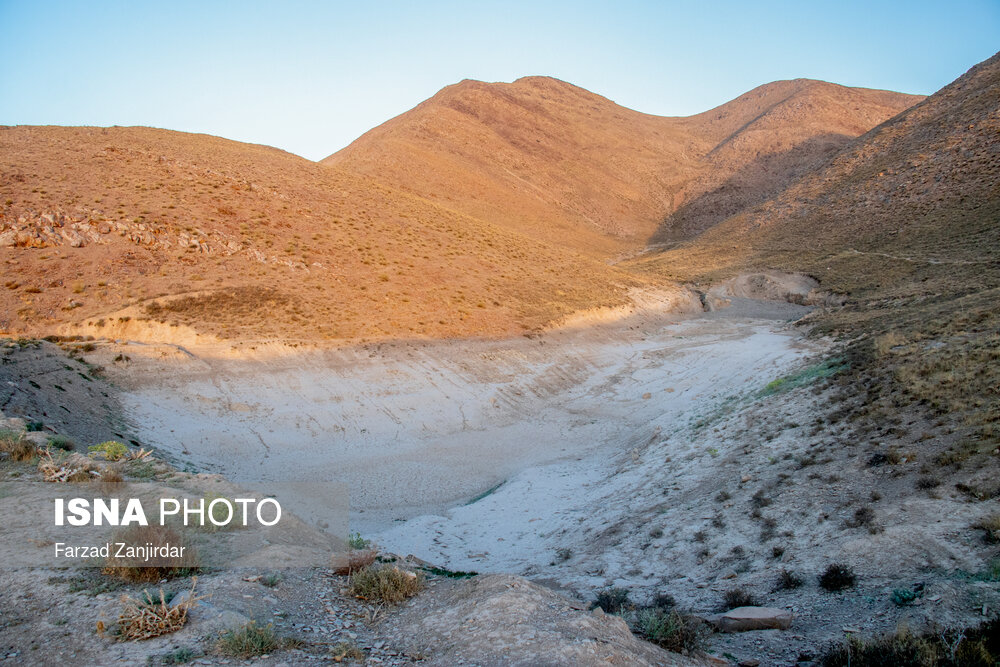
(351, 561)
(140, 569)
(385, 583)
(62, 468)
(145, 618)
(990, 525)
(111, 480)
(15, 444)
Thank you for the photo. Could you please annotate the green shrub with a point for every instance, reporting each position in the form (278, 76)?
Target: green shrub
(249, 641)
(111, 450)
(903, 596)
(672, 630)
(612, 600)
(61, 442)
(356, 542)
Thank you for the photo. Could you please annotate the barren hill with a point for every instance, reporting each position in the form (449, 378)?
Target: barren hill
(905, 221)
(251, 242)
(559, 163)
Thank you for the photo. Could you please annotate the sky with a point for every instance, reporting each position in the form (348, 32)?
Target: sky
(310, 77)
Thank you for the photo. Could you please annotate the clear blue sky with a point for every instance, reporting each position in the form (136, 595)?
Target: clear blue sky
(310, 77)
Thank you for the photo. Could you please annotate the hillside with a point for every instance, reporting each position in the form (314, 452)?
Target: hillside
(258, 243)
(905, 221)
(561, 164)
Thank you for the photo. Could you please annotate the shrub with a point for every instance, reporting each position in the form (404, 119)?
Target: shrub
(61, 442)
(271, 580)
(140, 569)
(926, 483)
(903, 596)
(837, 577)
(969, 647)
(249, 641)
(990, 526)
(146, 617)
(612, 600)
(346, 651)
(738, 597)
(385, 583)
(788, 581)
(15, 444)
(355, 541)
(672, 630)
(111, 450)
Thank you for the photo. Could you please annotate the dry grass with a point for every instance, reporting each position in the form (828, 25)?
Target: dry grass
(63, 467)
(139, 569)
(14, 444)
(385, 583)
(348, 562)
(146, 617)
(249, 641)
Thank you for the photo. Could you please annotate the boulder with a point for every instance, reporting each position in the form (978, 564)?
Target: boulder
(742, 619)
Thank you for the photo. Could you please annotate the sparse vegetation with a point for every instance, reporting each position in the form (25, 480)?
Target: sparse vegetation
(738, 597)
(385, 583)
(111, 450)
(837, 577)
(147, 616)
(672, 630)
(612, 600)
(140, 569)
(969, 647)
(249, 641)
(788, 581)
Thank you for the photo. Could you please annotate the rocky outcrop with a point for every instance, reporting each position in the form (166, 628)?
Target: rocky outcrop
(502, 619)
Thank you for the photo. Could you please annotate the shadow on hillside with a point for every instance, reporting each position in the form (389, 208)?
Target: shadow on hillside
(753, 184)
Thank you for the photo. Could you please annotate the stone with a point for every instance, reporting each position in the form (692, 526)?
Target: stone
(742, 619)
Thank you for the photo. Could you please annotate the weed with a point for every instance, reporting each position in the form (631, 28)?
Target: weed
(180, 561)
(450, 574)
(738, 597)
(145, 617)
(271, 580)
(672, 630)
(355, 541)
(612, 600)
(14, 443)
(180, 656)
(903, 596)
(111, 450)
(342, 651)
(990, 526)
(970, 647)
(249, 641)
(926, 483)
(788, 581)
(61, 442)
(837, 577)
(383, 583)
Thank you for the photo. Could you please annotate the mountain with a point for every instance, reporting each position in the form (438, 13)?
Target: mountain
(151, 233)
(561, 164)
(905, 222)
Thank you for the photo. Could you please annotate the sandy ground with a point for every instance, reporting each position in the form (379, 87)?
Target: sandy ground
(417, 428)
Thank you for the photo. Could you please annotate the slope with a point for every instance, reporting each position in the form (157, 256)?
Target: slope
(905, 221)
(248, 242)
(561, 164)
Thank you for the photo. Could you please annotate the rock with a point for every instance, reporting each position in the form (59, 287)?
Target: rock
(750, 662)
(742, 619)
(8, 238)
(500, 619)
(14, 424)
(37, 438)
